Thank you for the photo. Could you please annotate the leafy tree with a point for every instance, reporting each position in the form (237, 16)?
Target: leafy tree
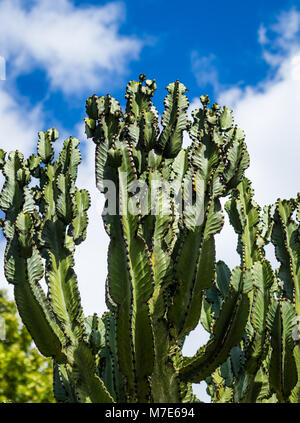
(25, 375)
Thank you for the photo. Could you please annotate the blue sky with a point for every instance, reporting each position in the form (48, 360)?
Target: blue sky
(243, 54)
(171, 39)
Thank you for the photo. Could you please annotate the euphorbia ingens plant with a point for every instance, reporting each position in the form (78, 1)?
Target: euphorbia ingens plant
(162, 212)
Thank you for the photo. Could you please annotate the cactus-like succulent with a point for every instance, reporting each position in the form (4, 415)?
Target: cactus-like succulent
(162, 212)
(43, 224)
(265, 366)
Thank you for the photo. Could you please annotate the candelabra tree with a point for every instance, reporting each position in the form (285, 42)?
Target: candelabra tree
(162, 213)
(265, 366)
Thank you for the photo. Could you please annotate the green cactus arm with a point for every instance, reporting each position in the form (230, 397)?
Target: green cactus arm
(260, 387)
(104, 125)
(101, 160)
(139, 96)
(226, 372)
(257, 345)
(287, 249)
(64, 206)
(263, 279)
(141, 278)
(165, 383)
(210, 128)
(59, 390)
(149, 130)
(139, 327)
(24, 227)
(108, 365)
(62, 389)
(214, 296)
(244, 216)
(58, 190)
(227, 332)
(69, 159)
(95, 332)
(130, 285)
(160, 256)
(35, 311)
(223, 278)
(295, 394)
(237, 157)
(163, 229)
(23, 264)
(79, 224)
(108, 373)
(283, 371)
(141, 115)
(185, 310)
(237, 360)
(263, 393)
(284, 237)
(195, 268)
(101, 333)
(266, 225)
(252, 388)
(12, 191)
(119, 288)
(174, 120)
(253, 234)
(62, 281)
(34, 308)
(101, 337)
(92, 388)
(44, 148)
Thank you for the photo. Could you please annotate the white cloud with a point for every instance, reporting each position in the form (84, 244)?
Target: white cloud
(78, 48)
(19, 123)
(269, 114)
(262, 34)
(281, 38)
(287, 26)
(205, 70)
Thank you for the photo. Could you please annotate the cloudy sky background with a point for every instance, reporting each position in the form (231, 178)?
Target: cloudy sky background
(246, 56)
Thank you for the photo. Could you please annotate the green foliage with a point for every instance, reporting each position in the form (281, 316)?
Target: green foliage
(25, 375)
(163, 278)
